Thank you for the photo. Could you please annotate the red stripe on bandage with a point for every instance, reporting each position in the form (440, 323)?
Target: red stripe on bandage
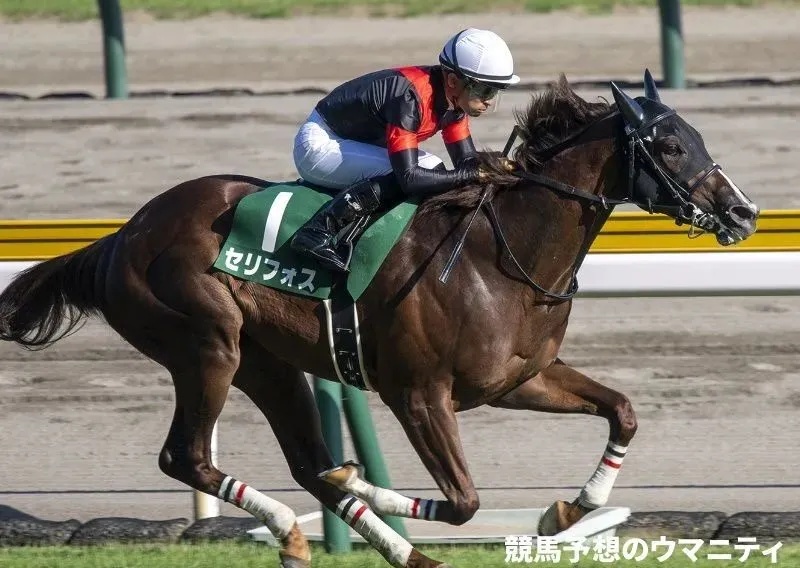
(358, 515)
(609, 463)
(415, 508)
(240, 493)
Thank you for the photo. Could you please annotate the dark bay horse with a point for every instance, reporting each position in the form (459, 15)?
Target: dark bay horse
(490, 335)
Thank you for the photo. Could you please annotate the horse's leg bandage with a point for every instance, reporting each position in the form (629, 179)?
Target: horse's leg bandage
(597, 490)
(388, 502)
(391, 545)
(277, 517)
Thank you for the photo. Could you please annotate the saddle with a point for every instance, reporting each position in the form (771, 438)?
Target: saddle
(257, 249)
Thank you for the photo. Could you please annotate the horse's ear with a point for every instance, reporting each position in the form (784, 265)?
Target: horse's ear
(650, 89)
(630, 109)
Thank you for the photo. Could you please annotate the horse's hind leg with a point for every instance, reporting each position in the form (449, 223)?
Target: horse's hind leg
(192, 327)
(562, 389)
(186, 456)
(284, 396)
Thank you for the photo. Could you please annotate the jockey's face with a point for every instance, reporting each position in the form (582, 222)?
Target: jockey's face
(473, 98)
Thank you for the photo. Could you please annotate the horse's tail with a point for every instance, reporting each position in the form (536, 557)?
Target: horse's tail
(45, 302)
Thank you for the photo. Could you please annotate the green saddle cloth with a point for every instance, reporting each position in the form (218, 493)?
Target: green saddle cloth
(257, 248)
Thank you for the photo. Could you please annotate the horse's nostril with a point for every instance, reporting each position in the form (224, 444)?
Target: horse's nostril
(742, 213)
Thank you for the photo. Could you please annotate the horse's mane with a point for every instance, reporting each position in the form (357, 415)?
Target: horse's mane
(552, 116)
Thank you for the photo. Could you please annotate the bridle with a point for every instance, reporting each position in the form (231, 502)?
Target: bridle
(636, 149)
(636, 144)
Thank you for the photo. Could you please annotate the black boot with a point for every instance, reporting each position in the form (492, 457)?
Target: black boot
(317, 237)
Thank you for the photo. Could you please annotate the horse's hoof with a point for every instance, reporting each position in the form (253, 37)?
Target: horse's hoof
(418, 560)
(340, 476)
(553, 521)
(288, 561)
(547, 522)
(560, 516)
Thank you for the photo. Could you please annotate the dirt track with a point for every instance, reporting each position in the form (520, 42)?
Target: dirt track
(716, 382)
(270, 55)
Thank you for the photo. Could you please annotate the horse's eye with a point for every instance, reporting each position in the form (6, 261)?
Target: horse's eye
(672, 149)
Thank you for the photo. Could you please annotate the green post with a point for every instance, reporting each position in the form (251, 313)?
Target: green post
(365, 441)
(114, 49)
(672, 44)
(329, 404)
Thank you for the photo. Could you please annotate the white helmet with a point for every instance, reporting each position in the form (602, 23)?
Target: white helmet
(481, 55)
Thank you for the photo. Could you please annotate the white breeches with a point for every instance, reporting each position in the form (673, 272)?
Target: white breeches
(322, 158)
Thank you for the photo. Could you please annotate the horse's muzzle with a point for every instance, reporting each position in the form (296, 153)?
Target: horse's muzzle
(740, 220)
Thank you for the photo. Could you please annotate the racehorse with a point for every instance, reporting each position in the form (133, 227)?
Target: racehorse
(488, 333)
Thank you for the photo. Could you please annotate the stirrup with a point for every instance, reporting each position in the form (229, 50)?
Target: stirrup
(328, 262)
(320, 250)
(346, 241)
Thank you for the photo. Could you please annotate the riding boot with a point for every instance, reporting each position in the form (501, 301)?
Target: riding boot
(317, 238)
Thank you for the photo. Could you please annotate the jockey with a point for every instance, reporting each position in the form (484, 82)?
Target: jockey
(362, 138)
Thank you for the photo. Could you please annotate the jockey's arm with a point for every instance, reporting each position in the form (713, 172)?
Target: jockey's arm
(458, 141)
(416, 180)
(461, 150)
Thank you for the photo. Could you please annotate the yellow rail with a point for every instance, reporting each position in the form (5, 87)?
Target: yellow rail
(778, 230)
(41, 239)
(629, 232)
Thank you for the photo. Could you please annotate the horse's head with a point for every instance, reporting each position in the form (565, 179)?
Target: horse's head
(671, 171)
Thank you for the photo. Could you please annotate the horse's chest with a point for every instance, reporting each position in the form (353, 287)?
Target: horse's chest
(539, 341)
(506, 353)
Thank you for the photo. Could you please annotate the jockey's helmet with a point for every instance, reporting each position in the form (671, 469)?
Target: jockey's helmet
(481, 56)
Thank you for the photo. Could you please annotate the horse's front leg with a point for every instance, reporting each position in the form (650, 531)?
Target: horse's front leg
(562, 389)
(430, 424)
(429, 420)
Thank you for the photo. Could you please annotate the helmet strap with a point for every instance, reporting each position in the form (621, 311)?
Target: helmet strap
(451, 100)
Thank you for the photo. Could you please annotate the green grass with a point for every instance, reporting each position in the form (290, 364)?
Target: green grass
(73, 10)
(232, 555)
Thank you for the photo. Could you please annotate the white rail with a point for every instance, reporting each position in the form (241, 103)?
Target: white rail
(660, 274)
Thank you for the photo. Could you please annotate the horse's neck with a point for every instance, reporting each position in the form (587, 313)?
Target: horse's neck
(552, 232)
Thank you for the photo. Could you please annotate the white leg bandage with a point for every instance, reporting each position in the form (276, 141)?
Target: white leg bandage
(278, 518)
(597, 490)
(391, 545)
(388, 502)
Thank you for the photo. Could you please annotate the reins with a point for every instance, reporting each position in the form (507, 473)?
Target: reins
(635, 153)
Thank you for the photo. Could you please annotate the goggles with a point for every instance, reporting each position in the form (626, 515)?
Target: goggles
(482, 91)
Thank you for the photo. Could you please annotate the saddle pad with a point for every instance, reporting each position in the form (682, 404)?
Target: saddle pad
(257, 247)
